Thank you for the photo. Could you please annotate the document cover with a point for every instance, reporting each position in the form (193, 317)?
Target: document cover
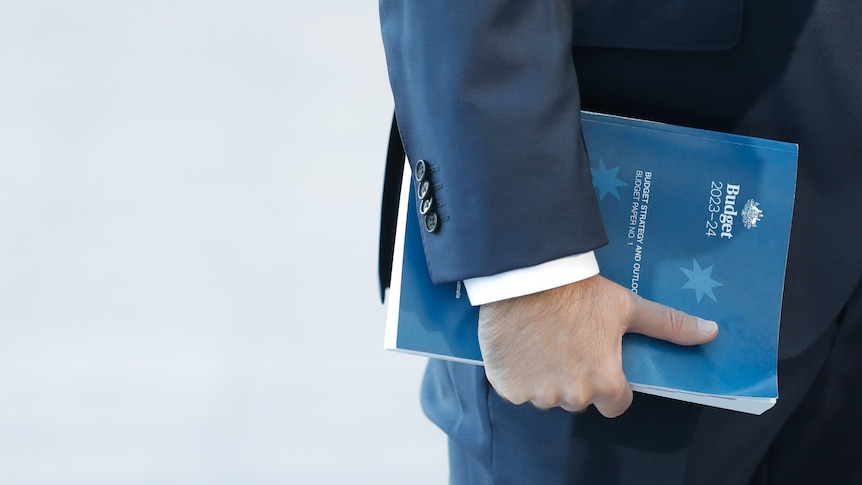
(697, 220)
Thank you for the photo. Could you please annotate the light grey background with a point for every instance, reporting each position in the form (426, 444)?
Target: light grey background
(189, 194)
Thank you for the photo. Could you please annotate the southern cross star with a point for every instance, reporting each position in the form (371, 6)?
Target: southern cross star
(605, 180)
(700, 280)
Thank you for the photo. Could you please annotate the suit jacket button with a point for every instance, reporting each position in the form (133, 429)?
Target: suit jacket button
(419, 171)
(424, 190)
(432, 222)
(425, 205)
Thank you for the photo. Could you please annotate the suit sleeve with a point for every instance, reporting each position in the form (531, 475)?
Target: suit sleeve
(486, 95)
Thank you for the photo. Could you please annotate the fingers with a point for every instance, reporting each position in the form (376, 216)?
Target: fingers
(662, 322)
(609, 405)
(617, 403)
(608, 391)
(562, 347)
(569, 396)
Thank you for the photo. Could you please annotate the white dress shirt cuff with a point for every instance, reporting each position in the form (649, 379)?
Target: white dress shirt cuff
(525, 281)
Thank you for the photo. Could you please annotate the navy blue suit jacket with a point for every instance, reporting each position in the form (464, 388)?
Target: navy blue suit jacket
(488, 93)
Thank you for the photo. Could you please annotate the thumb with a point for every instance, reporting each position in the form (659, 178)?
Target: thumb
(665, 323)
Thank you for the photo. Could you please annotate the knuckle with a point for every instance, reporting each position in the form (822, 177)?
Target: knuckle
(513, 396)
(576, 400)
(676, 320)
(545, 398)
(611, 389)
(610, 384)
(615, 402)
(572, 409)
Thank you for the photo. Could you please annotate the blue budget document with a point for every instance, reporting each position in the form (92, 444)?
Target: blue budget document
(697, 220)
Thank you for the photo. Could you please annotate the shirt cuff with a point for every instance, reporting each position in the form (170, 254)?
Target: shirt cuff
(526, 281)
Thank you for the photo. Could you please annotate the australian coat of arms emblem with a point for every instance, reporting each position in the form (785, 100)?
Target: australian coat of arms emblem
(751, 214)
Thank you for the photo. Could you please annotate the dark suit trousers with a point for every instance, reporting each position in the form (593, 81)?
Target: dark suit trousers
(812, 435)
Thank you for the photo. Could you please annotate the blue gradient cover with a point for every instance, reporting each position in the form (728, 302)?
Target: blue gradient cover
(697, 220)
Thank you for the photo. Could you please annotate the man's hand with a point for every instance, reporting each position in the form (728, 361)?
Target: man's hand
(563, 347)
